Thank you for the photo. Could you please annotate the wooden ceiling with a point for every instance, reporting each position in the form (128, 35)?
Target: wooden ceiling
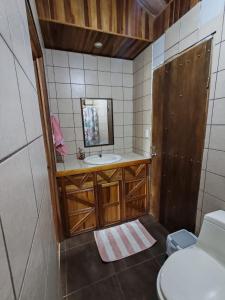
(125, 27)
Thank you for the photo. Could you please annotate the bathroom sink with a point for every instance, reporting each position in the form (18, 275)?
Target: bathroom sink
(103, 159)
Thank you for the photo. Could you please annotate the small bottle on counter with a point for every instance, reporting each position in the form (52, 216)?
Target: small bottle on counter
(80, 154)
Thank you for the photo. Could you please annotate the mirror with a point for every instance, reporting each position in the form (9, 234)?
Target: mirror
(97, 121)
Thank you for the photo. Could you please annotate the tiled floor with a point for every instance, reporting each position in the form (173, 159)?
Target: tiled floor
(85, 276)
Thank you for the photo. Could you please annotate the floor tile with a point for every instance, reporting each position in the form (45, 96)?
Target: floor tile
(63, 273)
(139, 282)
(106, 289)
(160, 234)
(80, 239)
(161, 259)
(84, 266)
(132, 260)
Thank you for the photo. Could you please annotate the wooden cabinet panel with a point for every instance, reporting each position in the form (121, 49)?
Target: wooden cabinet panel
(109, 203)
(135, 198)
(134, 172)
(101, 198)
(81, 208)
(78, 182)
(109, 175)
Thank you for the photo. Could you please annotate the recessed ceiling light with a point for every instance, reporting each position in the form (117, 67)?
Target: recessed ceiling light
(98, 45)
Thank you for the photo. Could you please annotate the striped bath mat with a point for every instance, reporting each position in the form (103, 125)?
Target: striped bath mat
(120, 241)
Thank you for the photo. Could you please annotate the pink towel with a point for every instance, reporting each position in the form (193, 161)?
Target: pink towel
(58, 140)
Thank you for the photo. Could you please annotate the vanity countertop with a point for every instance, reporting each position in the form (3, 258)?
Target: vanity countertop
(72, 165)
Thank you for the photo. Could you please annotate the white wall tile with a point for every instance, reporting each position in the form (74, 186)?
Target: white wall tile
(217, 137)
(51, 90)
(91, 77)
(211, 204)
(34, 282)
(220, 91)
(78, 90)
(216, 162)
(30, 105)
(159, 46)
(62, 75)
(92, 91)
(190, 21)
(21, 207)
(50, 74)
(127, 80)
(172, 52)
(116, 79)
(65, 106)
(172, 35)
(104, 63)
(222, 57)
(215, 58)
(116, 65)
(90, 62)
(219, 112)
(104, 78)
(189, 41)
(4, 25)
(117, 92)
(68, 134)
(5, 280)
(63, 90)
(11, 118)
(48, 57)
(77, 76)
(127, 66)
(53, 106)
(210, 11)
(128, 93)
(105, 91)
(214, 26)
(66, 120)
(60, 58)
(215, 185)
(39, 168)
(76, 60)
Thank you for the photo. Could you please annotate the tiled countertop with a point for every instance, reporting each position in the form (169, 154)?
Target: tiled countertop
(72, 163)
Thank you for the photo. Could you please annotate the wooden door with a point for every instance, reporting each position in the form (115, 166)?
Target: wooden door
(180, 103)
(109, 195)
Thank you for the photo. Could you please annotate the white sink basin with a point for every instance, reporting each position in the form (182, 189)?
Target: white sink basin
(104, 159)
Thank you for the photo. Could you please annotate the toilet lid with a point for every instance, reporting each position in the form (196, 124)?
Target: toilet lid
(192, 274)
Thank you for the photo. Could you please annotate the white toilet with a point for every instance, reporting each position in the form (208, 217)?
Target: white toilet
(198, 272)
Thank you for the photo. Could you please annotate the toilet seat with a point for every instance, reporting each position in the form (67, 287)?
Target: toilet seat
(180, 279)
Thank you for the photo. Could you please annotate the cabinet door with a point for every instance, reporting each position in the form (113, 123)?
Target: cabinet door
(81, 211)
(109, 195)
(135, 198)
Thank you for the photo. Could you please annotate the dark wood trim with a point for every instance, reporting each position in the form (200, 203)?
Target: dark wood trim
(45, 120)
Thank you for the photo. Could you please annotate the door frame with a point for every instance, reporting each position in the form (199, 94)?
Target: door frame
(45, 120)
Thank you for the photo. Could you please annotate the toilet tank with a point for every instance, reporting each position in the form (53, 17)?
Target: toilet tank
(212, 235)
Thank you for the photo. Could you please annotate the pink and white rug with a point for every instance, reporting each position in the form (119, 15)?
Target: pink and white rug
(120, 241)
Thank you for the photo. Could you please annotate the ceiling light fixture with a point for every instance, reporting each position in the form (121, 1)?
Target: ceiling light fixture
(98, 45)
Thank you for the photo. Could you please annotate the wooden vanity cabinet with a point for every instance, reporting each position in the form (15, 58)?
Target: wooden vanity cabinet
(103, 197)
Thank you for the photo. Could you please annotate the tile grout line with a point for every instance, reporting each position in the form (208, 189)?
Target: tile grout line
(19, 149)
(8, 260)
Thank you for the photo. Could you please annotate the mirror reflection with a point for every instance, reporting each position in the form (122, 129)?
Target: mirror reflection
(97, 119)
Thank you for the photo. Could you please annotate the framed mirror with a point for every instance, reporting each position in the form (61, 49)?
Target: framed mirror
(97, 121)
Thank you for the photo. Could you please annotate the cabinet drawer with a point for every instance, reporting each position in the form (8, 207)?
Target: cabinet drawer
(79, 182)
(134, 172)
(109, 175)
